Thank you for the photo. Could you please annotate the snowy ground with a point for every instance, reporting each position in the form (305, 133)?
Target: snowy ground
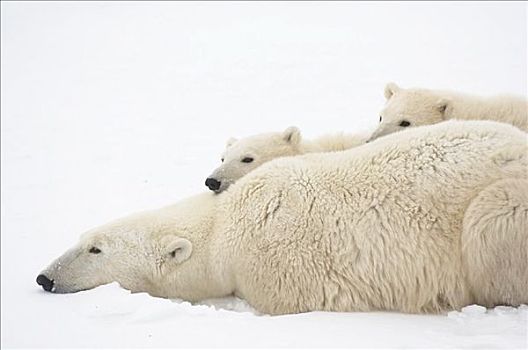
(110, 108)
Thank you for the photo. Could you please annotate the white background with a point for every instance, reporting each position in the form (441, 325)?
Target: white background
(110, 108)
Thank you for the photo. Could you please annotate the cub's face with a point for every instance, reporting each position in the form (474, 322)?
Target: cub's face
(409, 108)
(243, 156)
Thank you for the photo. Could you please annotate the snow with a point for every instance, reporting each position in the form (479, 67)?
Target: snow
(111, 108)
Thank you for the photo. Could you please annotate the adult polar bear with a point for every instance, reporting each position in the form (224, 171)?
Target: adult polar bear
(422, 221)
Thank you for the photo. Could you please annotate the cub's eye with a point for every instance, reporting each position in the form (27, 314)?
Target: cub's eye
(380, 118)
(94, 250)
(222, 160)
(247, 160)
(404, 123)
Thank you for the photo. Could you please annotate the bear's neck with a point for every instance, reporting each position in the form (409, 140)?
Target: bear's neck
(507, 109)
(203, 275)
(466, 107)
(332, 143)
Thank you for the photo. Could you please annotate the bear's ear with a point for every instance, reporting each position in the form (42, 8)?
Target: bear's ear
(442, 106)
(391, 89)
(292, 135)
(175, 249)
(231, 141)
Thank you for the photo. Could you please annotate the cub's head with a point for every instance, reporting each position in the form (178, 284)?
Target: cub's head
(407, 108)
(244, 155)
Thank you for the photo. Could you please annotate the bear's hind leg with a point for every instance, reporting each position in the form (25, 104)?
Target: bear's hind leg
(495, 244)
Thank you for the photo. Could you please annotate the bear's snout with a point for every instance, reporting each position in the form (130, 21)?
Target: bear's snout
(212, 184)
(45, 282)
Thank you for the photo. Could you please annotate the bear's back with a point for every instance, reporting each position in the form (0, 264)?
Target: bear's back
(320, 230)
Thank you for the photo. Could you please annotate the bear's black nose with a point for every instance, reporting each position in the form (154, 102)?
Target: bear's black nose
(213, 184)
(45, 282)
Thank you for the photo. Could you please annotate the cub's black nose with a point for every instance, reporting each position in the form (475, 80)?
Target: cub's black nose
(213, 184)
(45, 282)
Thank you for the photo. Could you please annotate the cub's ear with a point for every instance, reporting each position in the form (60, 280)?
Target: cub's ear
(442, 106)
(231, 141)
(176, 249)
(391, 89)
(292, 135)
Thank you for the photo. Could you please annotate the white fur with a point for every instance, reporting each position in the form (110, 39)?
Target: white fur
(424, 221)
(425, 107)
(268, 146)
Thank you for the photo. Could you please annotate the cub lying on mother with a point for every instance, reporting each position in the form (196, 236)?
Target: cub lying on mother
(417, 107)
(424, 221)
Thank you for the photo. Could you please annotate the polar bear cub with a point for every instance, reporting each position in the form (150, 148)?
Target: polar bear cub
(244, 155)
(429, 220)
(415, 107)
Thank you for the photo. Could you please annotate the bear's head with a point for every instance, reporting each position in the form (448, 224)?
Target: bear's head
(406, 108)
(160, 252)
(244, 155)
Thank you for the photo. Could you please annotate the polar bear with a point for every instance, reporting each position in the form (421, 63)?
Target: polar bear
(415, 107)
(246, 154)
(429, 220)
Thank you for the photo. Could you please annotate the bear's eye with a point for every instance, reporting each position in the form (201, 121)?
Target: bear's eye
(222, 160)
(380, 118)
(404, 123)
(94, 250)
(247, 160)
